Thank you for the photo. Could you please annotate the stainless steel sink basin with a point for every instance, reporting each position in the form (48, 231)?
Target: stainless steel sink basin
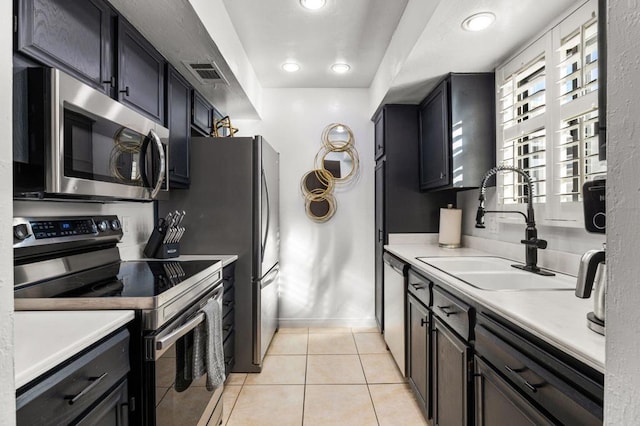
(496, 273)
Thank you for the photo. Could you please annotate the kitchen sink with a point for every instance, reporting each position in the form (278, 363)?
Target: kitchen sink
(496, 273)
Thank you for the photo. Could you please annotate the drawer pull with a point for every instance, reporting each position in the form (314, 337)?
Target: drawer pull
(446, 310)
(418, 286)
(423, 322)
(94, 381)
(515, 371)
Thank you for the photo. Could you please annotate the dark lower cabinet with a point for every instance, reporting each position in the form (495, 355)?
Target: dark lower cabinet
(140, 73)
(72, 35)
(380, 242)
(451, 390)
(418, 352)
(499, 404)
(228, 317)
(178, 120)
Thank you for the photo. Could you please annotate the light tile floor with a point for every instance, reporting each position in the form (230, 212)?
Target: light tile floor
(323, 376)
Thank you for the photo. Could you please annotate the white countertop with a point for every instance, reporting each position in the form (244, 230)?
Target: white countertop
(557, 317)
(44, 339)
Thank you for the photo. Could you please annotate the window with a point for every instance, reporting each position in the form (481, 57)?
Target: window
(548, 119)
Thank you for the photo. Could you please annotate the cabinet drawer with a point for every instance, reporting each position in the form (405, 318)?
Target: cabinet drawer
(560, 398)
(420, 287)
(452, 311)
(65, 394)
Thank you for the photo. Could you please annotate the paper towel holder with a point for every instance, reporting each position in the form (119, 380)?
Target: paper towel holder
(450, 232)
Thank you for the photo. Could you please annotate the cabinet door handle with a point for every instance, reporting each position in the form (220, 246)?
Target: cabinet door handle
(111, 82)
(93, 382)
(125, 91)
(418, 286)
(380, 235)
(514, 371)
(423, 322)
(441, 175)
(446, 310)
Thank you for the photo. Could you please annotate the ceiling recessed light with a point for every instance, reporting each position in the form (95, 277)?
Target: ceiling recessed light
(340, 68)
(290, 67)
(479, 21)
(312, 4)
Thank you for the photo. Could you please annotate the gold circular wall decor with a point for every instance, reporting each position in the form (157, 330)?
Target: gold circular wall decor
(336, 162)
(317, 180)
(333, 161)
(320, 207)
(337, 137)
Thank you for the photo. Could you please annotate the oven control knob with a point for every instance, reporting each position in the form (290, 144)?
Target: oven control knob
(21, 232)
(102, 225)
(115, 224)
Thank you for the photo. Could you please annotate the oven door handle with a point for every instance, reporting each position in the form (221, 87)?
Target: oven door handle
(171, 338)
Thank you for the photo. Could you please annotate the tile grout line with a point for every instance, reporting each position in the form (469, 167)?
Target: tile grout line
(236, 400)
(304, 388)
(366, 380)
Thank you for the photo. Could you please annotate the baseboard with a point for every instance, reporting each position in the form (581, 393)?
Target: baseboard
(326, 322)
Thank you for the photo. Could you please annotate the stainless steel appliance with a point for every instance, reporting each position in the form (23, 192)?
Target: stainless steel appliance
(83, 144)
(395, 286)
(73, 264)
(592, 274)
(233, 204)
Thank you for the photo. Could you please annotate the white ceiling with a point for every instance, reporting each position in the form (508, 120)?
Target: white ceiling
(353, 31)
(398, 47)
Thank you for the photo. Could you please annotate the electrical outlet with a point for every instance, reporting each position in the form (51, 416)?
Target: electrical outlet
(492, 225)
(126, 224)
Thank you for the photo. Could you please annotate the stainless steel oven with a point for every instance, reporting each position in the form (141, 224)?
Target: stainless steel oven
(73, 263)
(83, 144)
(167, 356)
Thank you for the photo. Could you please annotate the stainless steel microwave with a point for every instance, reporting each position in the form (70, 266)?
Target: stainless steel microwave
(80, 143)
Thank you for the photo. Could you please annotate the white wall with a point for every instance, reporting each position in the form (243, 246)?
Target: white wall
(622, 378)
(7, 382)
(326, 269)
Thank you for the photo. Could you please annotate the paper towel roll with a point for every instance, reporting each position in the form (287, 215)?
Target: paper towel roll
(450, 227)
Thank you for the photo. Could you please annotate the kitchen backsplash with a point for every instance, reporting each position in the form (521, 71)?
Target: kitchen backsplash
(137, 218)
(570, 240)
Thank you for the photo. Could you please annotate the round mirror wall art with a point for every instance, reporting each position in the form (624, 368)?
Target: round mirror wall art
(336, 164)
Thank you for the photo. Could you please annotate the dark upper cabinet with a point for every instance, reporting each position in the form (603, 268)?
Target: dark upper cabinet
(201, 115)
(74, 36)
(379, 135)
(141, 71)
(457, 132)
(178, 120)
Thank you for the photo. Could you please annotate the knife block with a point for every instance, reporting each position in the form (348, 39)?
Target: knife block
(157, 249)
(168, 251)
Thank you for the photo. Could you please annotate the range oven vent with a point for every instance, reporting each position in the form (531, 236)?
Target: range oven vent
(205, 72)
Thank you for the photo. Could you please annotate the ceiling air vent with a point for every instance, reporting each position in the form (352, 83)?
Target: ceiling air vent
(205, 72)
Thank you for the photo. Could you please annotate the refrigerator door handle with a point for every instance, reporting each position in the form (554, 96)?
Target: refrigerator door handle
(266, 232)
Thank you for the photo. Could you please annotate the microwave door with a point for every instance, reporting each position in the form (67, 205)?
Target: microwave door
(157, 163)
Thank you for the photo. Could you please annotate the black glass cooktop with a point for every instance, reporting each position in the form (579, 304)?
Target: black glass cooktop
(123, 279)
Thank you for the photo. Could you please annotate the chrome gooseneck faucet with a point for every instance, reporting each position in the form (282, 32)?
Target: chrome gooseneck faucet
(531, 240)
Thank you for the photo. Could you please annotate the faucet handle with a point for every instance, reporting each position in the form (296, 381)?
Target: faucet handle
(541, 244)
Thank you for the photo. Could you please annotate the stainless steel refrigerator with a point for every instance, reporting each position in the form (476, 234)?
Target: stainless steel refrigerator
(232, 208)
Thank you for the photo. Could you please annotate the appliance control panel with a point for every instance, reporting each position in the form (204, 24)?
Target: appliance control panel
(52, 230)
